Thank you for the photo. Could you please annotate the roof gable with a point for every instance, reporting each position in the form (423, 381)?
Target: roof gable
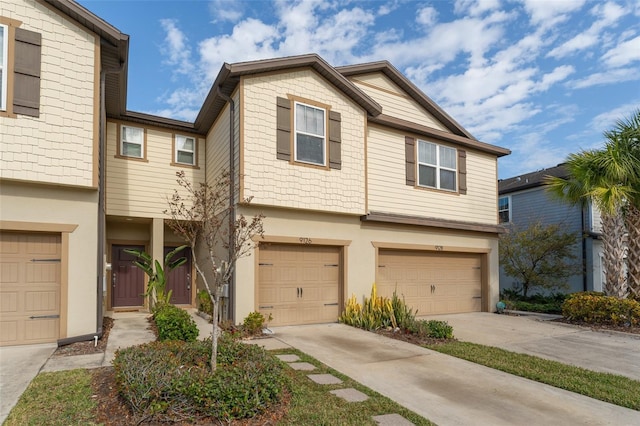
(230, 74)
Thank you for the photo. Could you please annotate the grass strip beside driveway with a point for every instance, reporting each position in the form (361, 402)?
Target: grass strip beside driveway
(615, 389)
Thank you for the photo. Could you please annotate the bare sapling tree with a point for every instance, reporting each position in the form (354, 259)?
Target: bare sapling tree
(204, 216)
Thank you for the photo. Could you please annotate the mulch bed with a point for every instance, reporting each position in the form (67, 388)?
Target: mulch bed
(88, 347)
(112, 410)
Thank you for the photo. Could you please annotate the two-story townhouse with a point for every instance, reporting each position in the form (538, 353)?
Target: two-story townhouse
(57, 62)
(362, 179)
(524, 200)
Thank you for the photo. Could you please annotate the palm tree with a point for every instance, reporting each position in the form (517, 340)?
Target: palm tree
(610, 178)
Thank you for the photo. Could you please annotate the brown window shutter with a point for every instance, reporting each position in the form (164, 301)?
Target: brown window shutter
(26, 89)
(410, 160)
(462, 171)
(335, 141)
(283, 143)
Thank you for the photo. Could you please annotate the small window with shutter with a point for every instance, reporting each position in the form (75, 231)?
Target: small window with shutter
(431, 165)
(315, 136)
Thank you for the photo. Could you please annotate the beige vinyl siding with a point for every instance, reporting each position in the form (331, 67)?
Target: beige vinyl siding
(394, 101)
(388, 192)
(56, 147)
(217, 143)
(140, 188)
(279, 183)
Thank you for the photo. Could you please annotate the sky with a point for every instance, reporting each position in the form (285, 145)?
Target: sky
(543, 78)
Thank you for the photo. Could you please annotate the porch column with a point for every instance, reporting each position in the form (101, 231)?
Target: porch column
(157, 240)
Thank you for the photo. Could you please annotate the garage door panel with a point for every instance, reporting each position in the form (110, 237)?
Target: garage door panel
(297, 281)
(29, 287)
(431, 282)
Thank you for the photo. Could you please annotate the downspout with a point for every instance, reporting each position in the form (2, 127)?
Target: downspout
(584, 248)
(232, 197)
(102, 135)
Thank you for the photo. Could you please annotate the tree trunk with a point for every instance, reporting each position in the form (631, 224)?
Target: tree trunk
(632, 220)
(214, 335)
(613, 231)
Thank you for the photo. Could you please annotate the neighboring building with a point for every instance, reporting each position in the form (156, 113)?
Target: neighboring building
(524, 200)
(361, 177)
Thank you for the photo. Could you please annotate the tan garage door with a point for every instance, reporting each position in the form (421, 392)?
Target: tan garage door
(29, 288)
(432, 282)
(299, 284)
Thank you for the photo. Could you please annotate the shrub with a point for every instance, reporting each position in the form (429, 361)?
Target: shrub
(175, 324)
(171, 381)
(254, 323)
(379, 312)
(595, 308)
(204, 302)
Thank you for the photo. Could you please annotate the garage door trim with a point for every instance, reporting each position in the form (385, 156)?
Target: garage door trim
(52, 228)
(482, 251)
(304, 240)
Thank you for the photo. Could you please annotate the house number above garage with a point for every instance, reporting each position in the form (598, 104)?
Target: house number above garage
(305, 240)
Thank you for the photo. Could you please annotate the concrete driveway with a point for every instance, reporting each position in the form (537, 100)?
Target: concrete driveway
(444, 389)
(616, 353)
(18, 366)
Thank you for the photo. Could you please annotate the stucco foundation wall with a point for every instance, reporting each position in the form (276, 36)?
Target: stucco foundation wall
(57, 147)
(37, 204)
(361, 261)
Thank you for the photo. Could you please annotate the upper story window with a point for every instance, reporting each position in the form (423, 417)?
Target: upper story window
(185, 152)
(436, 166)
(4, 42)
(132, 142)
(504, 209)
(310, 140)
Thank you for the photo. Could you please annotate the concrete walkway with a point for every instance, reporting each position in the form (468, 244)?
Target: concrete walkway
(617, 353)
(444, 389)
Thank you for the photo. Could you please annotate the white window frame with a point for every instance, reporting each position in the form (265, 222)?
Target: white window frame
(437, 166)
(508, 209)
(178, 150)
(4, 60)
(323, 136)
(123, 141)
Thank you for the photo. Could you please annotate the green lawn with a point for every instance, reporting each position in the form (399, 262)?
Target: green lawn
(61, 398)
(606, 387)
(64, 398)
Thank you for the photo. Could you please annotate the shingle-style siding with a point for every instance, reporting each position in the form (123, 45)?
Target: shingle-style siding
(56, 147)
(140, 188)
(388, 191)
(394, 101)
(279, 183)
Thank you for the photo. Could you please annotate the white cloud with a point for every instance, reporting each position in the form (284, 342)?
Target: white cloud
(549, 13)
(226, 10)
(176, 48)
(427, 16)
(475, 7)
(607, 120)
(607, 14)
(623, 54)
(607, 77)
(555, 76)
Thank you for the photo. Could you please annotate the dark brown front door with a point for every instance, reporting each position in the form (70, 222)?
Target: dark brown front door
(127, 280)
(179, 280)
